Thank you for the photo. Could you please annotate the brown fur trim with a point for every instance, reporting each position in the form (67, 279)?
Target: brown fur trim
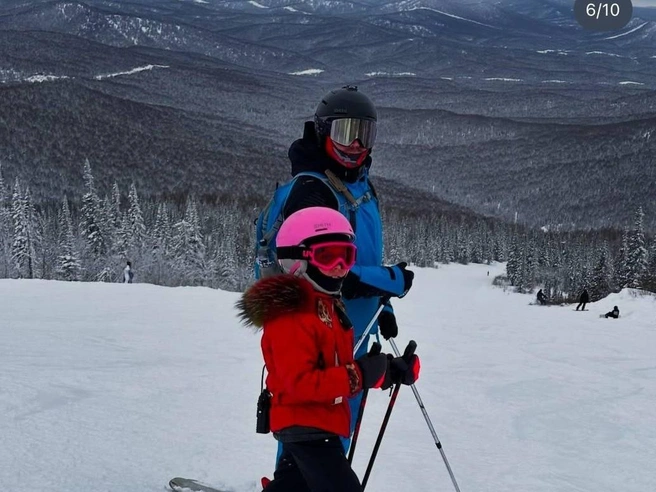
(271, 297)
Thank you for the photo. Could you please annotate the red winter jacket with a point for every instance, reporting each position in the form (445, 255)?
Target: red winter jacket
(307, 351)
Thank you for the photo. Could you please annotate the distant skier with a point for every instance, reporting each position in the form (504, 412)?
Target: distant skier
(542, 299)
(128, 274)
(583, 300)
(615, 313)
(311, 379)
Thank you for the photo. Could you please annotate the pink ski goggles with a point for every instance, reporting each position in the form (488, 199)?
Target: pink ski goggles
(325, 256)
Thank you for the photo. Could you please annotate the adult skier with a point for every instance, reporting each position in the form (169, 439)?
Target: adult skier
(307, 345)
(338, 144)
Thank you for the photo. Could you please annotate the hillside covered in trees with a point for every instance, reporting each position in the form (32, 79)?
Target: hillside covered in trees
(184, 240)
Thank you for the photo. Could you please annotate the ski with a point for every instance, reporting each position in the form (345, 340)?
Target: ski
(179, 484)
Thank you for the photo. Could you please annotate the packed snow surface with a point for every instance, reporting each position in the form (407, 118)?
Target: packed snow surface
(115, 387)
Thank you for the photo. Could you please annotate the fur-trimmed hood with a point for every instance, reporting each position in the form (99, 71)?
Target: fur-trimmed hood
(271, 297)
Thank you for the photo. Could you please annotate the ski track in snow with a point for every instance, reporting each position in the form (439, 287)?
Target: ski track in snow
(129, 72)
(108, 387)
(627, 32)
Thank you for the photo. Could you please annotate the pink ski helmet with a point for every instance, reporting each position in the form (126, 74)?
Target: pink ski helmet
(314, 238)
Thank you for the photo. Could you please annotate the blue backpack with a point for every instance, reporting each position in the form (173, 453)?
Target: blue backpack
(270, 219)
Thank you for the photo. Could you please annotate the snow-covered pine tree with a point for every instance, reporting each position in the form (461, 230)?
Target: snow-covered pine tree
(602, 275)
(160, 245)
(649, 278)
(514, 264)
(189, 248)
(22, 250)
(68, 263)
(116, 205)
(637, 253)
(621, 264)
(530, 264)
(92, 224)
(136, 220)
(6, 229)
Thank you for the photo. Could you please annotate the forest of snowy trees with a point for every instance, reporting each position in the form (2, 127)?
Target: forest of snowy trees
(186, 241)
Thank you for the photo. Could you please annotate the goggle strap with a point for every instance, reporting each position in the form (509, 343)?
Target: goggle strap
(291, 252)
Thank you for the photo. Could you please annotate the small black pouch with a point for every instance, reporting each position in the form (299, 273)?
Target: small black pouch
(263, 425)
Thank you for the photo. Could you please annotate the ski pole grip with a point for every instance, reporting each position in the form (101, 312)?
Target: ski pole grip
(410, 349)
(375, 349)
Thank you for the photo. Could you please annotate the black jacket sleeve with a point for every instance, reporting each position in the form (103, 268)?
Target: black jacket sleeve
(309, 191)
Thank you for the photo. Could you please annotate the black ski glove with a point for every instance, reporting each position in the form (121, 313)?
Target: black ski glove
(373, 367)
(408, 276)
(387, 324)
(405, 369)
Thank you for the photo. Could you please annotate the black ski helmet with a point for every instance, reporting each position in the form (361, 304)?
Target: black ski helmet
(346, 102)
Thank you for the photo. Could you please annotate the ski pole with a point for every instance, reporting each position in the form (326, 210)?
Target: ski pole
(356, 432)
(379, 439)
(410, 349)
(375, 350)
(371, 324)
(428, 421)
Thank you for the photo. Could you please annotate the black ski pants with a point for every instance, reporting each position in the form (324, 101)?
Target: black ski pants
(314, 466)
(581, 304)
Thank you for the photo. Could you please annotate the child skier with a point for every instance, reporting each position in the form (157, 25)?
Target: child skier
(307, 344)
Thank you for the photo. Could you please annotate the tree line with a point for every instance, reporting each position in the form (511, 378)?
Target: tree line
(184, 240)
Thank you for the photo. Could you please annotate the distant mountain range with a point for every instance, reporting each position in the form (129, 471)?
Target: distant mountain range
(509, 107)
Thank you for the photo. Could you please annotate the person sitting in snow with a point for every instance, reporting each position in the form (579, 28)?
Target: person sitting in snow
(542, 299)
(307, 345)
(615, 313)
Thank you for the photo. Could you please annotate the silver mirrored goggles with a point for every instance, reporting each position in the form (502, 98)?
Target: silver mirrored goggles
(345, 131)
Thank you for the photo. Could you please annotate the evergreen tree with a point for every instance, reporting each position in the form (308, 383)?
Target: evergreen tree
(116, 205)
(622, 262)
(514, 265)
(135, 218)
(649, 279)
(637, 253)
(188, 246)
(92, 217)
(22, 250)
(602, 275)
(68, 264)
(6, 229)
(33, 220)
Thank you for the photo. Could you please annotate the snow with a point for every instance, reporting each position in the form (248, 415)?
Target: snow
(121, 387)
(452, 16)
(129, 72)
(258, 5)
(628, 32)
(629, 82)
(503, 79)
(310, 71)
(603, 53)
(45, 78)
(390, 74)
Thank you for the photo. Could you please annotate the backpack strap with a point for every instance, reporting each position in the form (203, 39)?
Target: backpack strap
(341, 187)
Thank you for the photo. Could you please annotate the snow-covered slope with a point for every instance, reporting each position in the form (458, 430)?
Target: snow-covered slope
(108, 387)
